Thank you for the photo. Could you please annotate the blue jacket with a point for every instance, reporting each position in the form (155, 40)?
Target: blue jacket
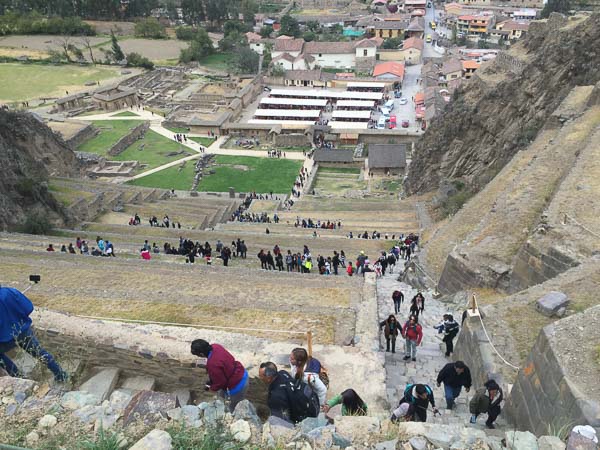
(15, 309)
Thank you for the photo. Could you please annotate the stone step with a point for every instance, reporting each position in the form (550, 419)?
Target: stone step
(102, 382)
(139, 383)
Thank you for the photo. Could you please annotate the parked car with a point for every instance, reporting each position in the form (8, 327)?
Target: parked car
(392, 122)
(397, 94)
(405, 124)
(403, 101)
(428, 39)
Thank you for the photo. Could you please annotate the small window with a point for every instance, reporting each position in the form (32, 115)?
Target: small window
(320, 54)
(365, 52)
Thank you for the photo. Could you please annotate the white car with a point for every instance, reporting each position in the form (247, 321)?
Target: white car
(403, 101)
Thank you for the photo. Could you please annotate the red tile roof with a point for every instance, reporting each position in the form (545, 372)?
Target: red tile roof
(391, 67)
(413, 42)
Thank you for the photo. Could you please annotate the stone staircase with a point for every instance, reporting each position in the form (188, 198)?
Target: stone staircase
(430, 357)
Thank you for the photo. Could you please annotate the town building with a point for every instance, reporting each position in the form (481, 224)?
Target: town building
(386, 159)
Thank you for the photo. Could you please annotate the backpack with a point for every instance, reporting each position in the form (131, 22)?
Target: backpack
(303, 400)
(408, 393)
(315, 366)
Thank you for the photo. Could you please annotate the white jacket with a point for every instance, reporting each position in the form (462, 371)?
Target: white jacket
(314, 382)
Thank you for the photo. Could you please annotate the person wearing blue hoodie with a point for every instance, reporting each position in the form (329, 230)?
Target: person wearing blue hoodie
(15, 330)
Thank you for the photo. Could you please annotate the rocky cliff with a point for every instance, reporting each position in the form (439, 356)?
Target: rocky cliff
(29, 153)
(501, 110)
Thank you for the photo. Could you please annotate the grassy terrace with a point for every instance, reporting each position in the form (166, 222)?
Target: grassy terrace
(29, 81)
(110, 132)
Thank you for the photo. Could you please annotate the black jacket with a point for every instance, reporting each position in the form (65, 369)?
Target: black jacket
(449, 376)
(278, 399)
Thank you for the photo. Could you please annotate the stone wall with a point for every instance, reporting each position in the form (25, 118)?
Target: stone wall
(129, 139)
(292, 140)
(509, 63)
(457, 275)
(82, 135)
(553, 387)
(534, 266)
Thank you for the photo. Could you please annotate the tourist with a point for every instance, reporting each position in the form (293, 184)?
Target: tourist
(226, 255)
(450, 329)
(487, 400)
(289, 261)
(417, 305)
(390, 331)
(15, 330)
(63, 249)
(352, 404)
(279, 261)
(145, 254)
(278, 399)
(413, 334)
(270, 261)
(419, 397)
(360, 262)
(397, 298)
(308, 370)
(85, 250)
(226, 376)
(454, 376)
(50, 248)
(349, 269)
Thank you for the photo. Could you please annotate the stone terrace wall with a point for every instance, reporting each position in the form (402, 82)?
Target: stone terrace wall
(546, 393)
(163, 352)
(129, 139)
(82, 135)
(534, 266)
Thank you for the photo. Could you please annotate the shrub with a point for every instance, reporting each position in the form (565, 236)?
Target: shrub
(37, 223)
(137, 60)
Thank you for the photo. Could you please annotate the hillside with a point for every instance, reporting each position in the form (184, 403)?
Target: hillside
(507, 103)
(29, 153)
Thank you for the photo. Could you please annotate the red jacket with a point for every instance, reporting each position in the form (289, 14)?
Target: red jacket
(414, 333)
(223, 370)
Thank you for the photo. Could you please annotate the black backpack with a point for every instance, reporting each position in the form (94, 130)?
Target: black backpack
(304, 402)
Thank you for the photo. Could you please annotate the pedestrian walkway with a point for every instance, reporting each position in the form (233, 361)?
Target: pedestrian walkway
(430, 356)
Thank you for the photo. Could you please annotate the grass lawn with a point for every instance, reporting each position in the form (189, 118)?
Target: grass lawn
(178, 129)
(29, 81)
(154, 151)
(217, 61)
(206, 141)
(110, 132)
(171, 178)
(125, 114)
(244, 173)
(355, 170)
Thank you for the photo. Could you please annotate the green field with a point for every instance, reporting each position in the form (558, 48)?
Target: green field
(125, 114)
(171, 178)
(206, 141)
(217, 61)
(110, 132)
(154, 151)
(184, 130)
(30, 81)
(244, 173)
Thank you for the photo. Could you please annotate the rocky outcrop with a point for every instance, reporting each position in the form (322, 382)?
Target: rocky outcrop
(29, 153)
(506, 104)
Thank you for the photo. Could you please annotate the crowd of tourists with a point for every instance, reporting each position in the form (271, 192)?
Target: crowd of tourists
(301, 261)
(299, 182)
(311, 223)
(102, 248)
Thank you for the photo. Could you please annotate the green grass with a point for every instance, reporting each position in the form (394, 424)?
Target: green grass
(29, 81)
(262, 175)
(110, 132)
(154, 152)
(355, 170)
(126, 114)
(217, 61)
(178, 129)
(171, 178)
(206, 141)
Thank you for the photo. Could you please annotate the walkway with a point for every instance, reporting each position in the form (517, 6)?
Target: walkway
(430, 356)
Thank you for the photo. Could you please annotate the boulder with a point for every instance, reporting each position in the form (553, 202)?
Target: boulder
(78, 399)
(310, 423)
(387, 445)
(551, 443)
(191, 415)
(213, 411)
(411, 429)
(149, 407)
(245, 410)
(442, 438)
(578, 441)
(340, 441)
(356, 428)
(155, 440)
(551, 303)
(47, 422)
(278, 428)
(521, 440)
(240, 429)
(418, 443)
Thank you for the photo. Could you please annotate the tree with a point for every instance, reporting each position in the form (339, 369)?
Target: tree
(137, 60)
(309, 36)
(392, 43)
(172, 12)
(559, 6)
(199, 47)
(266, 31)
(248, 9)
(150, 28)
(313, 25)
(87, 43)
(193, 11)
(65, 45)
(245, 60)
(185, 33)
(289, 26)
(116, 53)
